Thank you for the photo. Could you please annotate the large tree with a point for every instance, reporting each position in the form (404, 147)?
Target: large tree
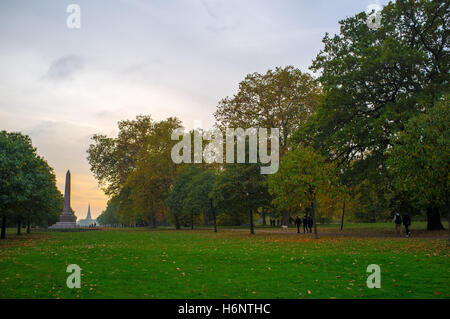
(28, 190)
(420, 162)
(200, 194)
(302, 177)
(113, 158)
(178, 195)
(241, 187)
(44, 202)
(136, 169)
(155, 173)
(283, 98)
(374, 81)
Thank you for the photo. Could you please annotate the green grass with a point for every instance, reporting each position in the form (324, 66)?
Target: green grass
(141, 263)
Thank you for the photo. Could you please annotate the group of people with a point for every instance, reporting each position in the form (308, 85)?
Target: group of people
(398, 220)
(307, 222)
(274, 222)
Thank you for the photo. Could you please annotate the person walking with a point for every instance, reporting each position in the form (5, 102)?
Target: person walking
(305, 224)
(407, 223)
(298, 222)
(398, 223)
(310, 223)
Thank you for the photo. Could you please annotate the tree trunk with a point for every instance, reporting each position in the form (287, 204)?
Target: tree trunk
(3, 234)
(153, 221)
(313, 214)
(448, 215)
(192, 220)
(19, 227)
(343, 212)
(214, 215)
(163, 219)
(434, 219)
(177, 222)
(263, 215)
(205, 219)
(252, 230)
(447, 207)
(285, 218)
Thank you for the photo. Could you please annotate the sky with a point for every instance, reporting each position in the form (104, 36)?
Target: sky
(162, 58)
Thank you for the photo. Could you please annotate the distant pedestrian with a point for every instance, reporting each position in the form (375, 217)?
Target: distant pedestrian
(305, 224)
(298, 222)
(310, 223)
(398, 223)
(407, 223)
(278, 222)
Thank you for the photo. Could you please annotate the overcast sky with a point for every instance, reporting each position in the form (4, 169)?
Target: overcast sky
(163, 58)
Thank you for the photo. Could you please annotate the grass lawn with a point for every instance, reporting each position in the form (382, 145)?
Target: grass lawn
(145, 263)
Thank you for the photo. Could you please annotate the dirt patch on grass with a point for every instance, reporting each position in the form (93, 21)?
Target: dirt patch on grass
(23, 240)
(360, 233)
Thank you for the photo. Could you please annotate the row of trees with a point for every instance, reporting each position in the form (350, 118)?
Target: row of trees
(28, 192)
(368, 137)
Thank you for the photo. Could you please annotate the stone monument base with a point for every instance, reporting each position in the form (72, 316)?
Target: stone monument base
(64, 225)
(66, 221)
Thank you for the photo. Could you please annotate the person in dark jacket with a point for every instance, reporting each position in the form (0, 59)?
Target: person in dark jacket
(298, 222)
(305, 224)
(398, 223)
(310, 223)
(407, 223)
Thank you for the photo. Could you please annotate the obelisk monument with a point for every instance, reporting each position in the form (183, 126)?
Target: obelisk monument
(66, 220)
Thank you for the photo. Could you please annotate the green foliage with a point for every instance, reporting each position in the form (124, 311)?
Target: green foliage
(283, 98)
(199, 192)
(136, 169)
(241, 188)
(302, 177)
(28, 190)
(177, 199)
(154, 175)
(375, 80)
(112, 159)
(110, 216)
(419, 161)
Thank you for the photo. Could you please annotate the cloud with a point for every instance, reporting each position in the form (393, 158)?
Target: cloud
(222, 15)
(65, 67)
